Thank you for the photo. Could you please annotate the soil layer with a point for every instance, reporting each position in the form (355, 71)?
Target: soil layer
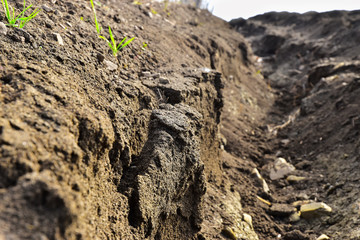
(176, 137)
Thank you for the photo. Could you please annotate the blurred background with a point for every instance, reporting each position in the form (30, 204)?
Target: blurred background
(230, 9)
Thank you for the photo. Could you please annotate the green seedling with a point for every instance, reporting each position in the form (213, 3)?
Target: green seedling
(153, 11)
(98, 28)
(112, 44)
(12, 19)
(166, 4)
(137, 3)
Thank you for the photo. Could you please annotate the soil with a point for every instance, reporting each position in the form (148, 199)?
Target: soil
(161, 141)
(313, 62)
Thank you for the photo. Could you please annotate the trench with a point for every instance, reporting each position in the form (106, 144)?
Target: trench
(312, 124)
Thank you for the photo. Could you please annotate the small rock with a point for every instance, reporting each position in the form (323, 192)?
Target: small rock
(316, 209)
(110, 65)
(248, 219)
(156, 75)
(281, 169)
(281, 210)
(47, 8)
(146, 74)
(59, 39)
(3, 28)
(285, 142)
(163, 80)
(205, 70)
(323, 237)
(62, 26)
(18, 38)
(149, 14)
(295, 217)
(294, 179)
(100, 57)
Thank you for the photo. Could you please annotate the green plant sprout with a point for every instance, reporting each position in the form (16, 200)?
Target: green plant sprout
(166, 5)
(137, 3)
(12, 19)
(98, 28)
(112, 44)
(153, 11)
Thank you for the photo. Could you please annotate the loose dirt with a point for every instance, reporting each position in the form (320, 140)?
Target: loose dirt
(161, 141)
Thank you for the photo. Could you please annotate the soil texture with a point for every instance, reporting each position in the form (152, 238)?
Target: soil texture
(190, 132)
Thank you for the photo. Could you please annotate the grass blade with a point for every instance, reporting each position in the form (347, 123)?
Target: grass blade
(12, 19)
(118, 47)
(22, 13)
(6, 8)
(102, 37)
(127, 43)
(112, 37)
(25, 20)
(98, 28)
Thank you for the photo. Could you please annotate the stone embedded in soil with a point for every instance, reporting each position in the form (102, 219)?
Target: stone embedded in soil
(295, 217)
(149, 14)
(294, 179)
(323, 237)
(59, 39)
(281, 210)
(248, 219)
(146, 74)
(100, 57)
(110, 65)
(47, 8)
(280, 169)
(3, 28)
(163, 80)
(313, 210)
(285, 142)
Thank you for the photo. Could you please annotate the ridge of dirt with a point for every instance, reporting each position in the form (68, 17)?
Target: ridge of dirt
(94, 146)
